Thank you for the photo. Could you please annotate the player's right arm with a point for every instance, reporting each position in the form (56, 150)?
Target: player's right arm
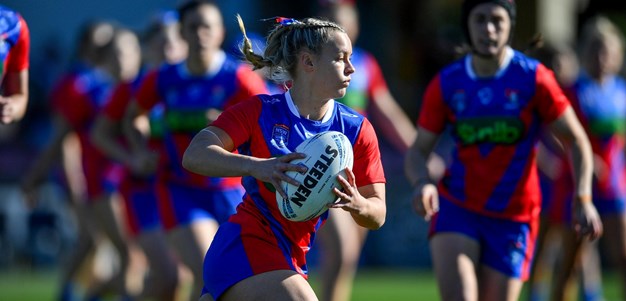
(425, 197)
(432, 121)
(210, 152)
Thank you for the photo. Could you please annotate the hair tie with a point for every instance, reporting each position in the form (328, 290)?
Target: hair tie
(282, 21)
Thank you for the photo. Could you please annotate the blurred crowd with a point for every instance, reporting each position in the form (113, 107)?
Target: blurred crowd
(83, 107)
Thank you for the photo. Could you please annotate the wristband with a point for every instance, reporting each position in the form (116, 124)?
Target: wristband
(584, 198)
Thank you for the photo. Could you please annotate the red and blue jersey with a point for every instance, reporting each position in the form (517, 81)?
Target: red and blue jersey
(78, 98)
(495, 124)
(363, 83)
(602, 111)
(14, 41)
(186, 100)
(270, 126)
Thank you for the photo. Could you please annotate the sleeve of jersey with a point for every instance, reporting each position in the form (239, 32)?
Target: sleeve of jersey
(250, 84)
(148, 94)
(116, 106)
(377, 80)
(368, 168)
(550, 99)
(17, 59)
(434, 111)
(239, 120)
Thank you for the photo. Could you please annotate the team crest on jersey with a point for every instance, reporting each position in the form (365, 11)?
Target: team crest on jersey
(485, 95)
(280, 135)
(458, 101)
(512, 97)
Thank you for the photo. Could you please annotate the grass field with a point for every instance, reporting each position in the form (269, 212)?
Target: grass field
(370, 285)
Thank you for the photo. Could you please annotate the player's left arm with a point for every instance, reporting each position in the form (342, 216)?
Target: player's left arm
(366, 203)
(555, 108)
(363, 193)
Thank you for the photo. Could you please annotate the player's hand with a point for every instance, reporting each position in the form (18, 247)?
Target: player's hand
(426, 200)
(349, 197)
(7, 110)
(273, 170)
(586, 220)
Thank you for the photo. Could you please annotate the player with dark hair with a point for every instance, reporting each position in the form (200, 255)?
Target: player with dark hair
(484, 213)
(191, 93)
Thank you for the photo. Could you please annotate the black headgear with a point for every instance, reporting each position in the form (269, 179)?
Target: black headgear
(468, 5)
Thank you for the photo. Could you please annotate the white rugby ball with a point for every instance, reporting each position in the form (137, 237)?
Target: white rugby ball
(328, 154)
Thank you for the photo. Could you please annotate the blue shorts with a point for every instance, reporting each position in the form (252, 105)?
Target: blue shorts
(243, 247)
(181, 205)
(506, 246)
(141, 205)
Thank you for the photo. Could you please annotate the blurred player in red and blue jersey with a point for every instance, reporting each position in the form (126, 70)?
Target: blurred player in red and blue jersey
(106, 53)
(193, 93)
(161, 43)
(485, 211)
(14, 58)
(599, 99)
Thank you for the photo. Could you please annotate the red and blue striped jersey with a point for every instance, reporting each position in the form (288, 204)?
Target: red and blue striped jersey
(495, 123)
(14, 41)
(186, 100)
(270, 126)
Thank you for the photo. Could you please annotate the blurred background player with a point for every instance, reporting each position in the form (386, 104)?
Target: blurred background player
(161, 43)
(193, 93)
(549, 274)
(106, 54)
(14, 61)
(599, 98)
(484, 213)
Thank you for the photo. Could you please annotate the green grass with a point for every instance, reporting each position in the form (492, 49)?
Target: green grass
(370, 285)
(27, 285)
(388, 284)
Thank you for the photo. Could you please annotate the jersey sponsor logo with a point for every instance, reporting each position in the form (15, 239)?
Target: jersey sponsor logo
(280, 135)
(186, 121)
(500, 130)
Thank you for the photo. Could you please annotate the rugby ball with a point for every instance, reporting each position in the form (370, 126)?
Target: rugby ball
(328, 154)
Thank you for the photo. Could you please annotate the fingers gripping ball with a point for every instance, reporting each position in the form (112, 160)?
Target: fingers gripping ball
(328, 154)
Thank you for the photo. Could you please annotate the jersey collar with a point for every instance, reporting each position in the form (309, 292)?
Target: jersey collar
(508, 56)
(214, 68)
(294, 109)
